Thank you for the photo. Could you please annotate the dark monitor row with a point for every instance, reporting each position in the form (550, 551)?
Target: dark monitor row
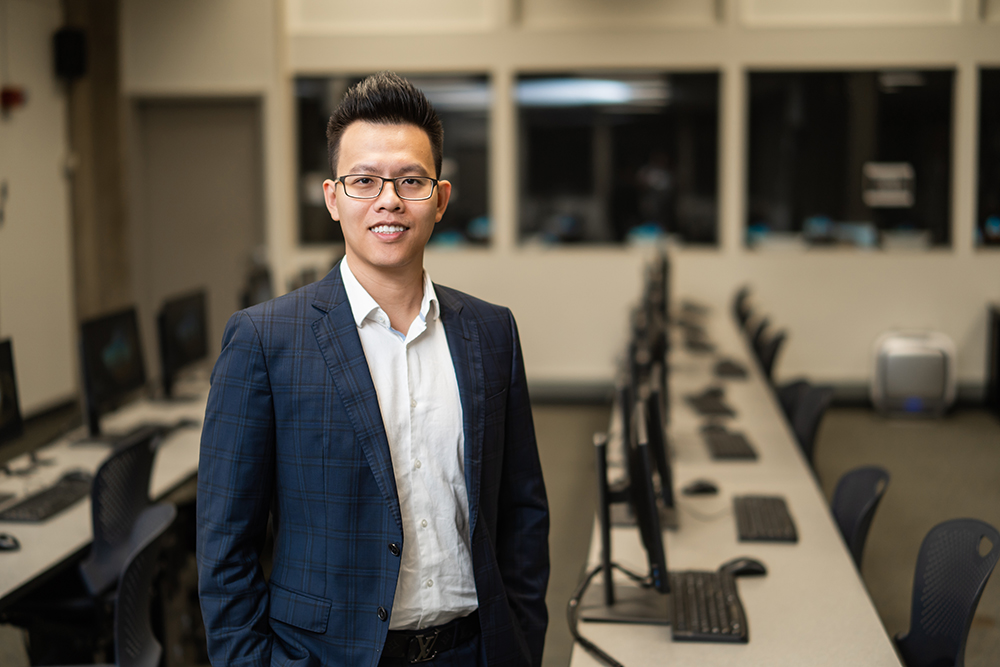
(111, 353)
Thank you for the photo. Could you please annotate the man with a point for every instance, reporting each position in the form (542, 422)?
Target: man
(383, 421)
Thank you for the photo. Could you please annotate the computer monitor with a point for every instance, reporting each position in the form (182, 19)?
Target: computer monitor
(649, 395)
(11, 423)
(643, 600)
(183, 336)
(111, 360)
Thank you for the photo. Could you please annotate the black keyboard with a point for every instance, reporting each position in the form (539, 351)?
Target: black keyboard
(67, 491)
(728, 446)
(764, 519)
(710, 405)
(705, 607)
(727, 368)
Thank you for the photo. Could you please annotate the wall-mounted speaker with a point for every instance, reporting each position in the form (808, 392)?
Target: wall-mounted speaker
(70, 45)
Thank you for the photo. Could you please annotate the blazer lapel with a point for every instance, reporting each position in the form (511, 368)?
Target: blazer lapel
(337, 335)
(466, 355)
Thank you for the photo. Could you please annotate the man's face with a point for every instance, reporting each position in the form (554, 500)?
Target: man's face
(387, 233)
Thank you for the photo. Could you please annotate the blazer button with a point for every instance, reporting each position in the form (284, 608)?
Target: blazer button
(383, 615)
(394, 549)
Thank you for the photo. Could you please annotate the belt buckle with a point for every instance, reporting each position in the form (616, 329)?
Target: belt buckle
(421, 648)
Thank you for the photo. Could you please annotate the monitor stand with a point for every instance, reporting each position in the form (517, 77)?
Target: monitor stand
(633, 604)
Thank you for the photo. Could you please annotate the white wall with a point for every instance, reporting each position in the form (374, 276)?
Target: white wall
(36, 298)
(571, 302)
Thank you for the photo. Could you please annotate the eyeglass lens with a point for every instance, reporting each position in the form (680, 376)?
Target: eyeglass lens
(407, 187)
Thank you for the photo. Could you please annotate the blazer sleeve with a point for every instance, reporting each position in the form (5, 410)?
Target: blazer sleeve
(523, 512)
(235, 482)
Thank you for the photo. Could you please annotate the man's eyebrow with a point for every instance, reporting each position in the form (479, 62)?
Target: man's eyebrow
(414, 168)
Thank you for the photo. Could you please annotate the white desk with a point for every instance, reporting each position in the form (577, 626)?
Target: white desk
(45, 545)
(812, 607)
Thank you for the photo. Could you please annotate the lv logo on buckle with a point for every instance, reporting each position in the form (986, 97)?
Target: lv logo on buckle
(422, 648)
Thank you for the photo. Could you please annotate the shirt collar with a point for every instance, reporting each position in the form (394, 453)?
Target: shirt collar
(363, 305)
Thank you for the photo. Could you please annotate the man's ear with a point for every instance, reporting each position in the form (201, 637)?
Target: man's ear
(443, 197)
(330, 195)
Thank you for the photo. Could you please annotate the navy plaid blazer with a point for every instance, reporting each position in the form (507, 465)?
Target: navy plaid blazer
(293, 428)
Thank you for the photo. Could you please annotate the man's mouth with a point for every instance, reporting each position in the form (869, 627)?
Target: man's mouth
(388, 229)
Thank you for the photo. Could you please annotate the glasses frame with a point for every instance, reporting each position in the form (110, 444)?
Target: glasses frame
(395, 187)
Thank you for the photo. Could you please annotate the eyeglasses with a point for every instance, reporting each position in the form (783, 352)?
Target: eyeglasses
(366, 186)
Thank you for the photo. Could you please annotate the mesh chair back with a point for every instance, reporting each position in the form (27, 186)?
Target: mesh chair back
(120, 493)
(135, 644)
(769, 353)
(858, 494)
(809, 413)
(741, 305)
(789, 395)
(951, 575)
(757, 335)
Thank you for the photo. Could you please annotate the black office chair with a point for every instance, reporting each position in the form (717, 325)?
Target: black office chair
(789, 395)
(119, 495)
(950, 577)
(768, 353)
(77, 604)
(808, 415)
(757, 334)
(855, 499)
(134, 643)
(741, 306)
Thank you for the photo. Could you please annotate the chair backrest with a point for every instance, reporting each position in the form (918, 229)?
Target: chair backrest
(135, 644)
(858, 493)
(811, 408)
(789, 394)
(120, 493)
(950, 577)
(741, 307)
(757, 334)
(769, 353)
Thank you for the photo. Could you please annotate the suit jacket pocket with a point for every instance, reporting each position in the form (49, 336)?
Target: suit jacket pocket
(302, 610)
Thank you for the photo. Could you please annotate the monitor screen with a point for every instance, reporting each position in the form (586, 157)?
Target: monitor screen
(112, 362)
(183, 335)
(642, 497)
(11, 425)
(655, 428)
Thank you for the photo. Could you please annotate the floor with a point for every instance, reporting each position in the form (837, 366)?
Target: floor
(940, 469)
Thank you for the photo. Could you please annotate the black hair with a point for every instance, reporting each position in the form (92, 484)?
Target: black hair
(385, 98)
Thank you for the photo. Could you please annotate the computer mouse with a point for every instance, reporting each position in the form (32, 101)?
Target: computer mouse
(743, 566)
(8, 542)
(78, 476)
(700, 487)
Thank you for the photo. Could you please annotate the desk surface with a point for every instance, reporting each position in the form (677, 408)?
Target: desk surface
(45, 545)
(812, 607)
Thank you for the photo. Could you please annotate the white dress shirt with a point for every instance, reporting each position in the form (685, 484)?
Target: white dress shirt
(418, 396)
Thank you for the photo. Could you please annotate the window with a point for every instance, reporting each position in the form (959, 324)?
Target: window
(607, 158)
(462, 103)
(859, 158)
(988, 218)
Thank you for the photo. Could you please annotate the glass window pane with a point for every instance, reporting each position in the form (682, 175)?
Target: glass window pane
(463, 103)
(858, 158)
(988, 218)
(608, 158)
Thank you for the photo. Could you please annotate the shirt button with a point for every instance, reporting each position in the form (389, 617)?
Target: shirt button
(383, 615)
(430, 582)
(417, 464)
(413, 403)
(394, 549)
(423, 524)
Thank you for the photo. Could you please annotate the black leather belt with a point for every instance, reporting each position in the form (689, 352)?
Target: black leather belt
(423, 645)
